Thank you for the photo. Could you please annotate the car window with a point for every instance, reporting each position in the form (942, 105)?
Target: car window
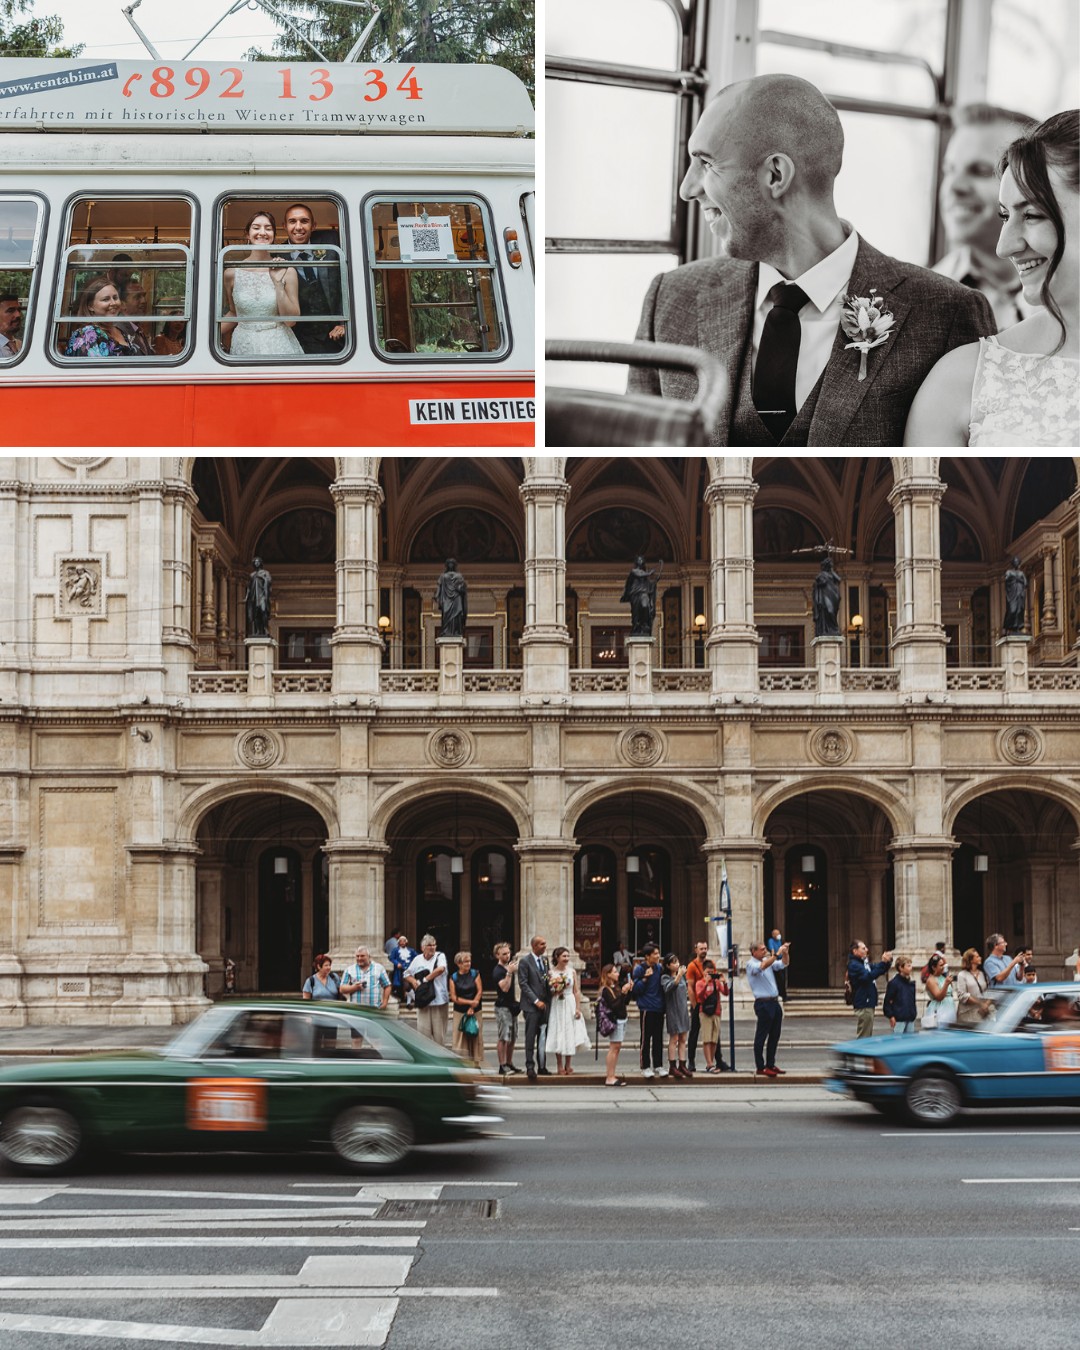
(351, 1039)
(1054, 1013)
(254, 1035)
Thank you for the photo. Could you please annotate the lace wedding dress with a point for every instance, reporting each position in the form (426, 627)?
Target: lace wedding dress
(254, 299)
(1021, 399)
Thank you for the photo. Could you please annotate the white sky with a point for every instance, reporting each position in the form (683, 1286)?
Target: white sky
(171, 26)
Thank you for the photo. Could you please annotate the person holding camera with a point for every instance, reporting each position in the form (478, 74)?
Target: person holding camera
(761, 971)
(1001, 973)
(940, 1012)
(863, 978)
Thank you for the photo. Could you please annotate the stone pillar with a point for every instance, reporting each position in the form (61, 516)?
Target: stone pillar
(547, 890)
(260, 664)
(545, 639)
(357, 643)
(1014, 657)
(829, 660)
(357, 895)
(1047, 942)
(639, 658)
(206, 618)
(451, 652)
(919, 640)
(732, 643)
(210, 900)
(923, 889)
(162, 976)
(1048, 618)
(176, 636)
(742, 858)
(12, 1005)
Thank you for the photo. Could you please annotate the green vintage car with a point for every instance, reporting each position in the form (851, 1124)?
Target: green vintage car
(251, 1075)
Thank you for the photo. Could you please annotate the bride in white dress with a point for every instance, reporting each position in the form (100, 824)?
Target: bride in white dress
(258, 294)
(1019, 388)
(566, 1030)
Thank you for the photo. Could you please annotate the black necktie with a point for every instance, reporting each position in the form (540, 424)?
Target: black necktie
(305, 272)
(778, 359)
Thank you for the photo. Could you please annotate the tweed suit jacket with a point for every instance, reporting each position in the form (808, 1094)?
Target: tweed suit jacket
(710, 305)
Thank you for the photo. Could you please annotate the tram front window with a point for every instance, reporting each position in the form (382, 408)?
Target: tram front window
(126, 279)
(20, 219)
(433, 280)
(283, 284)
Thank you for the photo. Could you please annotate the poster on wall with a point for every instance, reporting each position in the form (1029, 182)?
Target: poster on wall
(587, 943)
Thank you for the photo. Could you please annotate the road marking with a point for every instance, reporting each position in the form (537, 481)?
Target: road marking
(28, 1195)
(276, 1240)
(1021, 1181)
(978, 1134)
(244, 1196)
(332, 1185)
(517, 1136)
(317, 1274)
(98, 1222)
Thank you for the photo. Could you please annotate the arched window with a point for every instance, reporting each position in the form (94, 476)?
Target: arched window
(437, 900)
(492, 903)
(596, 930)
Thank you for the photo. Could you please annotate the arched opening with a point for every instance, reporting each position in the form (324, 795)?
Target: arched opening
(1014, 872)
(452, 872)
(640, 876)
(262, 882)
(827, 880)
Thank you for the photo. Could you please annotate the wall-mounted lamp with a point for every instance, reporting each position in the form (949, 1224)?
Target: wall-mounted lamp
(384, 625)
(699, 624)
(281, 866)
(982, 862)
(457, 864)
(633, 862)
(856, 621)
(142, 733)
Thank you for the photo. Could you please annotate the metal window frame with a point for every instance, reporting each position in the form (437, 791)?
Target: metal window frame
(33, 267)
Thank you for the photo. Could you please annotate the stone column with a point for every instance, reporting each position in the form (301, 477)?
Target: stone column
(923, 889)
(1048, 618)
(209, 892)
(639, 658)
(451, 671)
(732, 642)
(357, 643)
(1014, 649)
(162, 976)
(742, 858)
(547, 890)
(177, 638)
(919, 640)
(1047, 943)
(357, 895)
(545, 639)
(829, 660)
(12, 1005)
(260, 664)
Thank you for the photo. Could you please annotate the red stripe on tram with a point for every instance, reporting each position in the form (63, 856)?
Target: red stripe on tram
(266, 414)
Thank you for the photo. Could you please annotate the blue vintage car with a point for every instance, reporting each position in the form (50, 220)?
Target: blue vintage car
(1027, 1053)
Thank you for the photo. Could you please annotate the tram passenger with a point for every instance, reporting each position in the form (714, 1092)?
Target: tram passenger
(1019, 388)
(99, 301)
(172, 337)
(10, 323)
(763, 161)
(132, 302)
(260, 295)
(969, 208)
(318, 288)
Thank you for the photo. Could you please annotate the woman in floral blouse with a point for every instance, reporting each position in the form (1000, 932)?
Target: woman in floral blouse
(100, 302)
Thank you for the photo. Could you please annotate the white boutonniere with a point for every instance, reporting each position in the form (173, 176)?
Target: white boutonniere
(319, 254)
(867, 322)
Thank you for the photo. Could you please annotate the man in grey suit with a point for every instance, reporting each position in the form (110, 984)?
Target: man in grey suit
(532, 973)
(763, 160)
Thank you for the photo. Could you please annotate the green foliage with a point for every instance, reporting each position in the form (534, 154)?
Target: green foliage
(490, 32)
(22, 33)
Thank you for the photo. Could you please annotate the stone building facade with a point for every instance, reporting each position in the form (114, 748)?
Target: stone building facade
(176, 794)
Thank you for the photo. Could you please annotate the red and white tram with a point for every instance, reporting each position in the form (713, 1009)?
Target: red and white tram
(417, 182)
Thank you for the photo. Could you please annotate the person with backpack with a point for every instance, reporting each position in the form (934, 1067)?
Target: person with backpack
(899, 1004)
(710, 989)
(612, 1008)
(649, 996)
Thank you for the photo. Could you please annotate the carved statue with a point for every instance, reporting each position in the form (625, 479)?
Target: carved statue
(257, 601)
(640, 594)
(826, 599)
(1016, 584)
(452, 598)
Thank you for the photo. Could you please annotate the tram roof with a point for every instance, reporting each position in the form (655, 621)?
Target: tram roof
(391, 99)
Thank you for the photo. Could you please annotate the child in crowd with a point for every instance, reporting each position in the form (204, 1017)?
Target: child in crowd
(899, 1004)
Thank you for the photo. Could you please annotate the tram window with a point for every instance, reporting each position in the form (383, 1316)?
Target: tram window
(283, 281)
(433, 280)
(636, 32)
(125, 282)
(20, 224)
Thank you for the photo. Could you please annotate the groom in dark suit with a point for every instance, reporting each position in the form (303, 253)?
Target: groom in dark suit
(532, 981)
(763, 160)
(318, 288)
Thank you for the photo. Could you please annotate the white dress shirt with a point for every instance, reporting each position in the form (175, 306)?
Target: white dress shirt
(825, 284)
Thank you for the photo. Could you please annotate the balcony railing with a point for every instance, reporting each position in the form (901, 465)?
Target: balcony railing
(218, 682)
(981, 679)
(492, 681)
(788, 680)
(409, 682)
(599, 681)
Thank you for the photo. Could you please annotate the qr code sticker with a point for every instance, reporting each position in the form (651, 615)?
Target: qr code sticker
(425, 241)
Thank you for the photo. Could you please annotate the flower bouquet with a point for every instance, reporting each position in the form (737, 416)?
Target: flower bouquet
(557, 984)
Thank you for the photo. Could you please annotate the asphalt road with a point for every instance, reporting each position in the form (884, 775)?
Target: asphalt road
(758, 1217)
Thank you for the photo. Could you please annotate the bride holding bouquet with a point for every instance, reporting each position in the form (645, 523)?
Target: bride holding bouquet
(566, 1030)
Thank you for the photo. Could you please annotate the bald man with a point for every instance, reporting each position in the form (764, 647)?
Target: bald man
(763, 160)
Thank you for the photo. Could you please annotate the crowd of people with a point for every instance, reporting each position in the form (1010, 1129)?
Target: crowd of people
(679, 1005)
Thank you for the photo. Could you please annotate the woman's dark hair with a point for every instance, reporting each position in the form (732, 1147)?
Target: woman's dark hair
(607, 970)
(670, 958)
(255, 217)
(1052, 143)
(322, 956)
(557, 953)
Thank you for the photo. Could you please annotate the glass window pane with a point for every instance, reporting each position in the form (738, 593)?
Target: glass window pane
(1033, 64)
(592, 295)
(18, 228)
(436, 311)
(914, 27)
(849, 77)
(611, 161)
(626, 32)
(468, 240)
(895, 215)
